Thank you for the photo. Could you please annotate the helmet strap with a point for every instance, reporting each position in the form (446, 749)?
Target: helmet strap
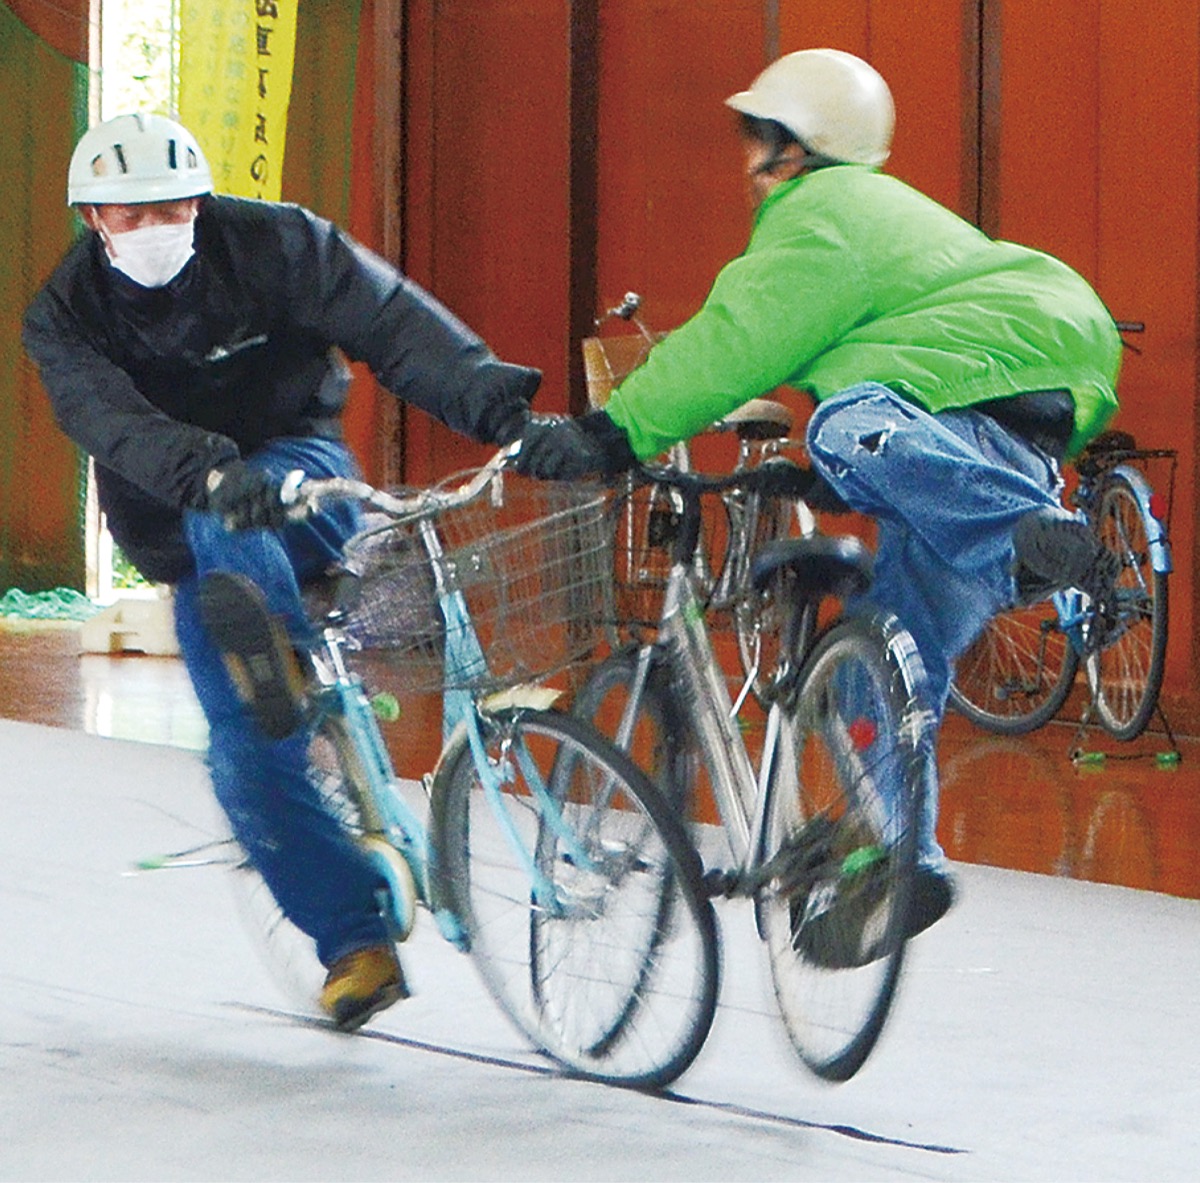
(805, 163)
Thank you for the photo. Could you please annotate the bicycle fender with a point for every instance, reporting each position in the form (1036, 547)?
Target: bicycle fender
(1156, 531)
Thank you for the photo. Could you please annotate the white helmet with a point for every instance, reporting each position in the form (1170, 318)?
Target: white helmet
(132, 159)
(833, 102)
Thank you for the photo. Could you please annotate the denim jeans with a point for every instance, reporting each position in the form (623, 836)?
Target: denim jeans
(318, 877)
(946, 491)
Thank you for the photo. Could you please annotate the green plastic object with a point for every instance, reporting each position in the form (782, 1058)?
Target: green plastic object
(860, 859)
(386, 706)
(1167, 759)
(62, 603)
(1090, 758)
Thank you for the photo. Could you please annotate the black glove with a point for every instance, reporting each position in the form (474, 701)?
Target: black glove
(506, 414)
(554, 448)
(245, 497)
(511, 428)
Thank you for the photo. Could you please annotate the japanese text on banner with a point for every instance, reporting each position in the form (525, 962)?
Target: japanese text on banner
(235, 83)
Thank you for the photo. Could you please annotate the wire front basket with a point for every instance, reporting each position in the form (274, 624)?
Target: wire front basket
(532, 562)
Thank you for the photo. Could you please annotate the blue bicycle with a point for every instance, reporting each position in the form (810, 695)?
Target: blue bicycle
(1018, 674)
(547, 855)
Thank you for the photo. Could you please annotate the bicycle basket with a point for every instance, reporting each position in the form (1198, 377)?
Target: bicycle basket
(532, 565)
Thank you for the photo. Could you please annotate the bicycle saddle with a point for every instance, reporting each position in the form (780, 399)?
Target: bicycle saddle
(758, 419)
(821, 565)
(1108, 449)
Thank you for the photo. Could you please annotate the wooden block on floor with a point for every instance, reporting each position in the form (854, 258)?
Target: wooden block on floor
(132, 626)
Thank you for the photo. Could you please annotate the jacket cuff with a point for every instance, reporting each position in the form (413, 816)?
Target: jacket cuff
(611, 439)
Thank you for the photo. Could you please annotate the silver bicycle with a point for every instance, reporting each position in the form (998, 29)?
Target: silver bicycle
(822, 834)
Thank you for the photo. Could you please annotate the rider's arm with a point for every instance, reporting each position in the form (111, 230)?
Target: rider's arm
(99, 408)
(770, 312)
(414, 345)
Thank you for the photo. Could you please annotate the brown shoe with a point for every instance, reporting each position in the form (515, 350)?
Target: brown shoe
(361, 984)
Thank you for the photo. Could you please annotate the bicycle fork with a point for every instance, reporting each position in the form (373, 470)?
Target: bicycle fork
(397, 843)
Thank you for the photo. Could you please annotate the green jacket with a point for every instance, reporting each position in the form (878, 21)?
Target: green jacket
(852, 276)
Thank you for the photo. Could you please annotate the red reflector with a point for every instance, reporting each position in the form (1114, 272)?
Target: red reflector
(862, 734)
(1158, 506)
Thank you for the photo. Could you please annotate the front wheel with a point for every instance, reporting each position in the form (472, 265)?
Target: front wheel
(1126, 673)
(653, 730)
(841, 840)
(580, 896)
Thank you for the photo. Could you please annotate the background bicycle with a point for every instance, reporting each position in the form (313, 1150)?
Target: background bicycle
(1019, 673)
(734, 523)
(546, 854)
(822, 835)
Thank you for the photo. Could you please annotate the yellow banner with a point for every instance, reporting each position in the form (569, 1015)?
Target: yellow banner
(235, 82)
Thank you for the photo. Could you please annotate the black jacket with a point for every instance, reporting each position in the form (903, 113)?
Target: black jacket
(241, 347)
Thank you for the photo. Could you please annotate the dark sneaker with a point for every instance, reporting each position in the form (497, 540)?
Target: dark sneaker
(832, 924)
(361, 984)
(1054, 553)
(260, 659)
(933, 894)
(835, 925)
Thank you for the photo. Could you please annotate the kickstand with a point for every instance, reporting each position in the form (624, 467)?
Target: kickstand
(1083, 757)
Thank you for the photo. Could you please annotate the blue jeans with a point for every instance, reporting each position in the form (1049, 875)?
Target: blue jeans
(946, 491)
(319, 878)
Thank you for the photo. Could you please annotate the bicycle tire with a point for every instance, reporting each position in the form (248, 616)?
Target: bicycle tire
(621, 985)
(288, 954)
(758, 616)
(660, 742)
(1125, 675)
(834, 914)
(1017, 674)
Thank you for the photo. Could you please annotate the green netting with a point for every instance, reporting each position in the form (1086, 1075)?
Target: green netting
(60, 603)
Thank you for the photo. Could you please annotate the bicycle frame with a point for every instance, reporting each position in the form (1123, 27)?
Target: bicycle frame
(742, 795)
(343, 694)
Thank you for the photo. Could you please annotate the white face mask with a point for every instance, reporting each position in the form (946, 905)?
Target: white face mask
(152, 255)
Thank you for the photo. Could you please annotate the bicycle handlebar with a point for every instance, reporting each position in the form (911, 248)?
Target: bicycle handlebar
(774, 477)
(304, 496)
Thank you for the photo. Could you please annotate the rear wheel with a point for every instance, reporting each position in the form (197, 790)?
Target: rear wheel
(289, 954)
(1018, 673)
(1126, 673)
(580, 896)
(841, 841)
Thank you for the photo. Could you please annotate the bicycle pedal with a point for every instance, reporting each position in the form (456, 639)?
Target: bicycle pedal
(398, 899)
(718, 881)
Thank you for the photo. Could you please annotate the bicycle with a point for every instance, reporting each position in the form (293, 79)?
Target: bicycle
(547, 855)
(1017, 676)
(739, 524)
(822, 835)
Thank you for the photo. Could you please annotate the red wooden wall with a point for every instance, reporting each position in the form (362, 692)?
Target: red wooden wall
(1070, 126)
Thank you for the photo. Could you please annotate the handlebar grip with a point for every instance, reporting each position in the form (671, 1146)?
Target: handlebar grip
(629, 304)
(779, 477)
